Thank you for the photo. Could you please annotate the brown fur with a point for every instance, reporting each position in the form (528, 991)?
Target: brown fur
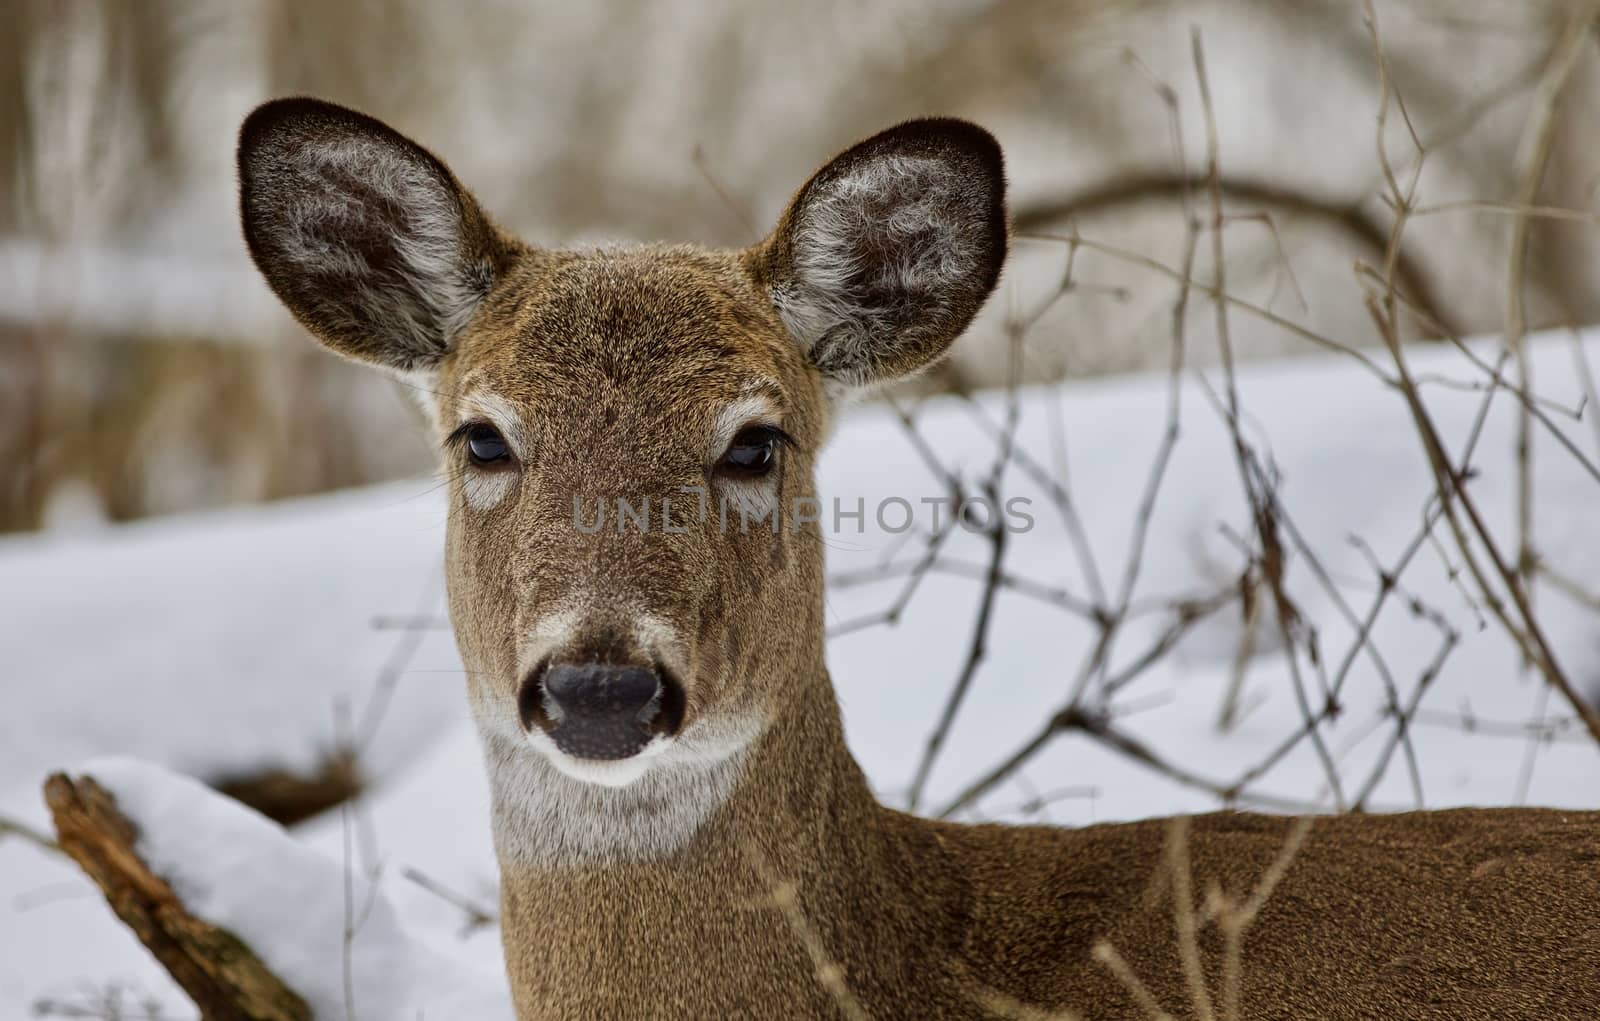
(615, 362)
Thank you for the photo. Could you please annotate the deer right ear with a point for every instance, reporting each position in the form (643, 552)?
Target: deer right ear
(886, 254)
(362, 233)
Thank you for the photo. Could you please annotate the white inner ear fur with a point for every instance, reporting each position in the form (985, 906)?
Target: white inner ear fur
(438, 286)
(904, 207)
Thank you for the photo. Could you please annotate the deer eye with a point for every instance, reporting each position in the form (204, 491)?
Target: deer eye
(752, 453)
(485, 446)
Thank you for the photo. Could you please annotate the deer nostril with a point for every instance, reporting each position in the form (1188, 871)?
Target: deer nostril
(600, 710)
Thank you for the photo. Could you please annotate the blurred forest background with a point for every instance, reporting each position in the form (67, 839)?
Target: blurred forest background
(145, 369)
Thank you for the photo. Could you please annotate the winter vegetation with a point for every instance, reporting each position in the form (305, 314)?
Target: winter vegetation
(1417, 699)
(1324, 544)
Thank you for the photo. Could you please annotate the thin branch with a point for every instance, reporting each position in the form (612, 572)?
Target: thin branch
(975, 653)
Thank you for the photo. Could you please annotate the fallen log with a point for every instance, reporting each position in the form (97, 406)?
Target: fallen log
(224, 978)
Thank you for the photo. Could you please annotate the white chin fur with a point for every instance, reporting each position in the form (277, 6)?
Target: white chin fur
(551, 808)
(604, 773)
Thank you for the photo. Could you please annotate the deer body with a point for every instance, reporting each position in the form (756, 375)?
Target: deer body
(681, 829)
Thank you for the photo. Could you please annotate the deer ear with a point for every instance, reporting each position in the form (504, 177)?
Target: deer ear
(886, 254)
(362, 233)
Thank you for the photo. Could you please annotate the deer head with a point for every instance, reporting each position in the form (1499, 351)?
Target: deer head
(644, 643)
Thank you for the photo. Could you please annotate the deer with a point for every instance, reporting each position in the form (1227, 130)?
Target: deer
(680, 827)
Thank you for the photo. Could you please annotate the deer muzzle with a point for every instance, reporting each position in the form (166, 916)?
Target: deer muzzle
(601, 711)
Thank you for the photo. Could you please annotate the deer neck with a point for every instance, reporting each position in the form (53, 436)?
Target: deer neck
(779, 849)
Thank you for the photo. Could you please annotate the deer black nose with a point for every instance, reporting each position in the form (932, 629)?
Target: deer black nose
(598, 710)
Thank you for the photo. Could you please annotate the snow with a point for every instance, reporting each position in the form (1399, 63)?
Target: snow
(215, 644)
(225, 644)
(219, 645)
(292, 904)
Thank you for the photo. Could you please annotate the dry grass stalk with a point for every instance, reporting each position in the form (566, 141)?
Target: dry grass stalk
(1232, 917)
(1107, 955)
(785, 897)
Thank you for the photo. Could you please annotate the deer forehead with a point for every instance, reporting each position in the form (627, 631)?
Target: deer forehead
(671, 338)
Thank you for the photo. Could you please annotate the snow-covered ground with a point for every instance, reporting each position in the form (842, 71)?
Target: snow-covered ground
(223, 644)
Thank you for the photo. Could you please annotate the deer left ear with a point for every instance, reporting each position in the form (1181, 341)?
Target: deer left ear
(364, 235)
(886, 254)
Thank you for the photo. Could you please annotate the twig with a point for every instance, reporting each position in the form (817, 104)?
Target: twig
(1344, 215)
(975, 653)
(1263, 503)
(1537, 145)
(15, 828)
(1183, 909)
(477, 917)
